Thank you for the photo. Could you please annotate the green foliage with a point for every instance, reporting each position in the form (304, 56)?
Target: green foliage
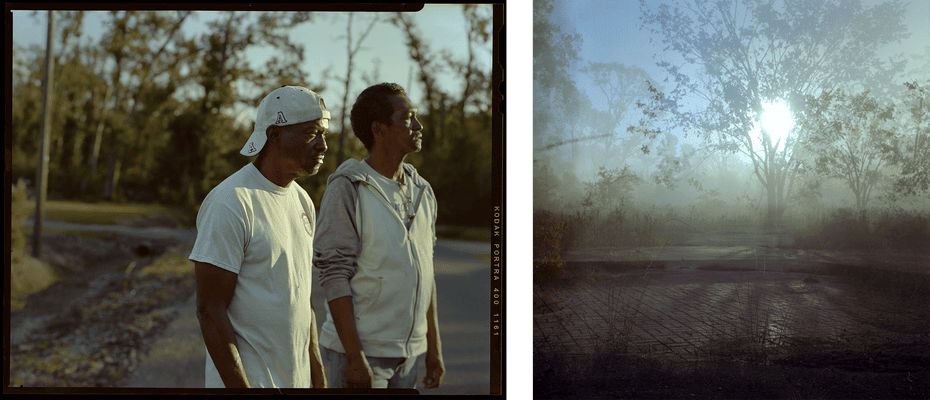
(27, 274)
(553, 233)
(612, 189)
(20, 209)
(457, 139)
(150, 112)
(914, 155)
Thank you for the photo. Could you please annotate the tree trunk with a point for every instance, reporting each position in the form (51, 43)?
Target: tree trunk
(79, 137)
(345, 96)
(351, 50)
(113, 169)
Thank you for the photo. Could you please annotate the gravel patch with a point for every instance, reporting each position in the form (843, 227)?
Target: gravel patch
(94, 326)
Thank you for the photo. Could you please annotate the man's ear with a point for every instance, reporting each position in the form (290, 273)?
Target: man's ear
(376, 128)
(272, 133)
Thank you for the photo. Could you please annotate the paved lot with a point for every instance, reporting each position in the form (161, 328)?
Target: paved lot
(463, 281)
(693, 304)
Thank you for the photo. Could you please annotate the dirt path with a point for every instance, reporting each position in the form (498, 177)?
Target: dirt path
(106, 324)
(101, 314)
(176, 359)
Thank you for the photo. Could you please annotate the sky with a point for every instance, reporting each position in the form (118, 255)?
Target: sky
(443, 25)
(610, 31)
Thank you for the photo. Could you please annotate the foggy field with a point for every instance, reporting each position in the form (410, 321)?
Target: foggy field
(638, 236)
(731, 199)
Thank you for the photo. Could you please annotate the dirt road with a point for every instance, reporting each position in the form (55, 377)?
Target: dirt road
(176, 360)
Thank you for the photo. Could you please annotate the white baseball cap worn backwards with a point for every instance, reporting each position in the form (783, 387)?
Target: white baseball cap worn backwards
(287, 105)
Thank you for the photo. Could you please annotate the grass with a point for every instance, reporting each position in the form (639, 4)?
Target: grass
(880, 229)
(27, 275)
(105, 213)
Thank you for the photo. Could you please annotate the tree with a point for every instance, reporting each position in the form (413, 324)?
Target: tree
(914, 157)
(558, 105)
(607, 197)
(203, 140)
(747, 53)
(623, 87)
(853, 139)
(457, 146)
(352, 48)
(140, 44)
(565, 118)
(612, 189)
(554, 52)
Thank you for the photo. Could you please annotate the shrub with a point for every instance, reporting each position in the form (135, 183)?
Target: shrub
(845, 231)
(27, 274)
(841, 231)
(548, 245)
(548, 235)
(903, 231)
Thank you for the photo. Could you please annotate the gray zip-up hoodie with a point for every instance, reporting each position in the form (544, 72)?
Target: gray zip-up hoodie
(363, 248)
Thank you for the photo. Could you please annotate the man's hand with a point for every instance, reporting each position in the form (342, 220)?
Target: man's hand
(358, 372)
(317, 372)
(435, 370)
(318, 378)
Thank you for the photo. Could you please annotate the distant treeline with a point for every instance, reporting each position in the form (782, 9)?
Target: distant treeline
(150, 113)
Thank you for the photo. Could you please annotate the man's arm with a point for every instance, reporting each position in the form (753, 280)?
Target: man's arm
(317, 375)
(358, 372)
(435, 369)
(335, 247)
(215, 288)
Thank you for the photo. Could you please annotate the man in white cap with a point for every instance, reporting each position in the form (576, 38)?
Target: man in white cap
(374, 251)
(253, 253)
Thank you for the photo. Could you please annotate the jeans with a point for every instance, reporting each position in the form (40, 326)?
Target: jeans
(387, 373)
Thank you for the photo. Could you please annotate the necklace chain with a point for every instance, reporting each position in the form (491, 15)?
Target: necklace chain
(408, 202)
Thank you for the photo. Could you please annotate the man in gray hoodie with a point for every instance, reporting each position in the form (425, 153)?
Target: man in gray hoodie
(374, 249)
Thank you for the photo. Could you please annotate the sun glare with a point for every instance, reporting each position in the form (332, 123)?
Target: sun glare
(777, 120)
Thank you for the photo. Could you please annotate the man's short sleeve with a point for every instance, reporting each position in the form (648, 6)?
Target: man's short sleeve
(221, 238)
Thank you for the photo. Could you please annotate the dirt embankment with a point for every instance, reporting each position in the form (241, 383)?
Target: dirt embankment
(114, 294)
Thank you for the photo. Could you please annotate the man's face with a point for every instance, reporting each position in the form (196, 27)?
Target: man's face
(303, 145)
(403, 134)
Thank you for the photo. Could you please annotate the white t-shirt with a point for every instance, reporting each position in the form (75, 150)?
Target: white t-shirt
(400, 195)
(263, 233)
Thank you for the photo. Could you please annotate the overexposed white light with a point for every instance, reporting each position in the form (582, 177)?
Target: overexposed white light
(777, 120)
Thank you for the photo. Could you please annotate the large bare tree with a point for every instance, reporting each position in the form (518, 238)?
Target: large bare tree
(727, 58)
